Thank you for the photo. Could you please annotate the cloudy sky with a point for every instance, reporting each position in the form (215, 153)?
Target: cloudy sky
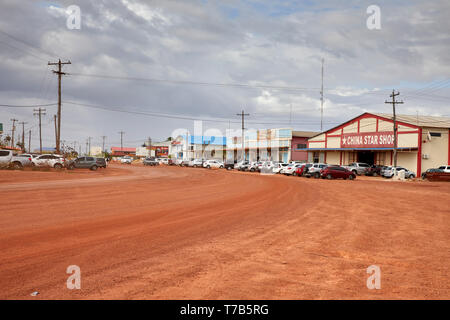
(150, 67)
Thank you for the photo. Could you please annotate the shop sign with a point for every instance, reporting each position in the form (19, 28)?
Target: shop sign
(368, 140)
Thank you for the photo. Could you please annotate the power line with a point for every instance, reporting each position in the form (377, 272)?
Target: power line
(28, 106)
(188, 82)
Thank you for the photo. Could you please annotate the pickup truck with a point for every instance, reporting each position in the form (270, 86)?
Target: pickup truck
(10, 160)
(358, 168)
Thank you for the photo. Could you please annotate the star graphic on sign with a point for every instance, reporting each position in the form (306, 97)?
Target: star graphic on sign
(344, 140)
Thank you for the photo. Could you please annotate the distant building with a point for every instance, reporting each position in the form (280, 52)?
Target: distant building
(422, 142)
(198, 147)
(299, 145)
(120, 152)
(142, 152)
(96, 151)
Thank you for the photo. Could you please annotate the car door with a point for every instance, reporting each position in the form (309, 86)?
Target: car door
(41, 160)
(79, 162)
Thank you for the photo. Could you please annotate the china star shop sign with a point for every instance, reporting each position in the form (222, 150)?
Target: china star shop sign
(368, 140)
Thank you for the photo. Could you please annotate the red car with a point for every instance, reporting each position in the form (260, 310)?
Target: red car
(303, 169)
(335, 172)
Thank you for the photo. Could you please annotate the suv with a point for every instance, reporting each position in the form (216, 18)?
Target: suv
(83, 163)
(334, 172)
(10, 160)
(101, 162)
(314, 170)
(196, 163)
(126, 159)
(150, 161)
(49, 161)
(358, 168)
(390, 171)
(212, 164)
(374, 170)
(445, 168)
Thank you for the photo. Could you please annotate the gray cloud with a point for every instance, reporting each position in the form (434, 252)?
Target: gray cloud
(251, 42)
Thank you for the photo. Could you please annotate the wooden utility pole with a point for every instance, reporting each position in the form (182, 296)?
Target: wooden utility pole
(103, 144)
(89, 142)
(56, 134)
(40, 112)
(13, 129)
(393, 102)
(29, 141)
(121, 141)
(242, 114)
(60, 74)
(23, 134)
(321, 100)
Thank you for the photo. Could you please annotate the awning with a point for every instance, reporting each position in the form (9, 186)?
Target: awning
(357, 149)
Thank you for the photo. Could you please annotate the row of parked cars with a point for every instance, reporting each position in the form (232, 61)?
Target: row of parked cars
(9, 159)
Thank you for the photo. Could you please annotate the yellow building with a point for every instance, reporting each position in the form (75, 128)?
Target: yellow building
(422, 142)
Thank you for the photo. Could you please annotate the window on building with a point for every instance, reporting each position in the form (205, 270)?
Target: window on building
(301, 146)
(435, 134)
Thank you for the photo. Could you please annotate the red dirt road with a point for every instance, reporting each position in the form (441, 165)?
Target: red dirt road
(175, 233)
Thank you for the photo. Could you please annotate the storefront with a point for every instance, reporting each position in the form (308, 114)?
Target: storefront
(422, 142)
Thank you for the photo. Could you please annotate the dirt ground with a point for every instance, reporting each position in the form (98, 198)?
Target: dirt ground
(183, 233)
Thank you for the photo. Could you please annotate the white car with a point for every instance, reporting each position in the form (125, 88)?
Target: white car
(126, 159)
(196, 163)
(445, 168)
(279, 167)
(49, 161)
(212, 164)
(291, 169)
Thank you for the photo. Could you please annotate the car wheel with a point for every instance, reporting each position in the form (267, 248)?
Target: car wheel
(294, 174)
(329, 177)
(71, 167)
(375, 174)
(221, 167)
(57, 166)
(351, 177)
(94, 168)
(252, 170)
(208, 166)
(17, 166)
(317, 175)
(355, 172)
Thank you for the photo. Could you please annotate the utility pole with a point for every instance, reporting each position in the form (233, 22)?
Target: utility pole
(60, 74)
(103, 144)
(89, 143)
(242, 114)
(13, 129)
(321, 100)
(40, 112)
(29, 141)
(56, 134)
(393, 102)
(121, 141)
(23, 134)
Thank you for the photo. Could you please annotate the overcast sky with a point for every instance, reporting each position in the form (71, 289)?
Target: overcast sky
(196, 45)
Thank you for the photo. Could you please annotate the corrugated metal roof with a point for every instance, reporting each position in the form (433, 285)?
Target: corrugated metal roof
(304, 134)
(421, 121)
